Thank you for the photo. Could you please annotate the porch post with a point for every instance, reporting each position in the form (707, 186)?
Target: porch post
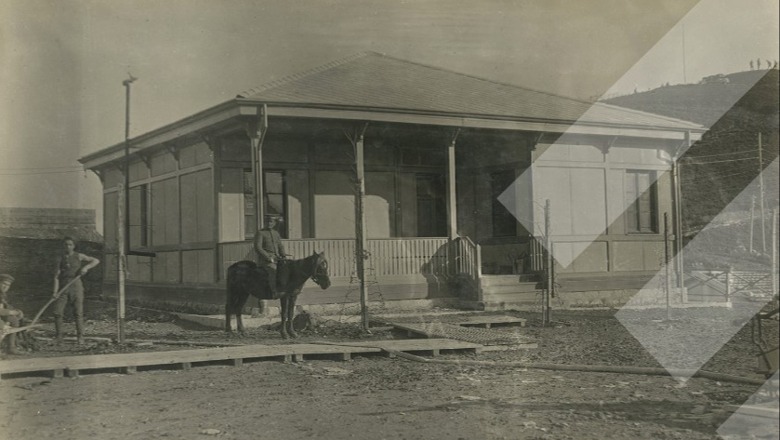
(360, 226)
(452, 199)
(677, 210)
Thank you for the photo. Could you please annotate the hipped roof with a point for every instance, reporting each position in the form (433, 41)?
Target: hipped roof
(374, 80)
(375, 86)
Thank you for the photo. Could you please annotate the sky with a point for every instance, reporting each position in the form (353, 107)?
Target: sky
(63, 62)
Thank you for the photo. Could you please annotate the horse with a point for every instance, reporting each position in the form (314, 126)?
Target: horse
(246, 278)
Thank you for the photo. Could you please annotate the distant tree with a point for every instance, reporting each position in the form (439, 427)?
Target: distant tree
(751, 64)
(768, 64)
(758, 63)
(775, 65)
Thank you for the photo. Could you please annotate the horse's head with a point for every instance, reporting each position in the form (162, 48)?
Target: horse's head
(320, 275)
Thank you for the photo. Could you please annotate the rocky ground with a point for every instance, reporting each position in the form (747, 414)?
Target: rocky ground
(378, 397)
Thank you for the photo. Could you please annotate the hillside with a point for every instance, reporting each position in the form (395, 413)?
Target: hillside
(717, 168)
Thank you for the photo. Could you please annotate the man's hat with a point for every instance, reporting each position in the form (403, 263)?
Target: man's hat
(6, 277)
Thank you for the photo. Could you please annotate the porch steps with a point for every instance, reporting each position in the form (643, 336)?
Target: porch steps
(501, 292)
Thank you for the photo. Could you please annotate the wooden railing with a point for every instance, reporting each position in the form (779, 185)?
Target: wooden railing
(386, 256)
(467, 257)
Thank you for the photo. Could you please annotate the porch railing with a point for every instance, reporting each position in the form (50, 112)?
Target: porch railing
(537, 253)
(387, 256)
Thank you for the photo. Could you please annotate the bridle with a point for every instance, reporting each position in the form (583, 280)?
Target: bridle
(320, 269)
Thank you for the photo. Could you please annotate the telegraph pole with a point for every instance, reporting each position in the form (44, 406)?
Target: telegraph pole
(761, 191)
(123, 221)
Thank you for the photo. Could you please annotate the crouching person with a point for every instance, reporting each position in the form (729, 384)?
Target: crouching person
(70, 267)
(9, 316)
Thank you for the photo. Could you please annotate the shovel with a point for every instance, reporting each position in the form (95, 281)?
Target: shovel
(53, 298)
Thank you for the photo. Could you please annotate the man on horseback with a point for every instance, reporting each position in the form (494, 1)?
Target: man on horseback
(271, 255)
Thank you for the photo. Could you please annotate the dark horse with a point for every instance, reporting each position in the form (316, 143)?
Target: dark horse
(245, 278)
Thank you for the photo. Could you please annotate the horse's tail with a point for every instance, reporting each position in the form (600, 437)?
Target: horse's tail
(236, 295)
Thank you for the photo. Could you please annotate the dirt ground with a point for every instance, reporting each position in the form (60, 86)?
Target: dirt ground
(375, 397)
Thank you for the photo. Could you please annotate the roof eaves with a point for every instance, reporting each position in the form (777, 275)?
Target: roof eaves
(160, 130)
(690, 124)
(494, 117)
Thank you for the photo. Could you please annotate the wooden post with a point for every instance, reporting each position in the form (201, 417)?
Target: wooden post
(668, 287)
(360, 228)
(121, 267)
(452, 209)
(752, 219)
(728, 284)
(677, 175)
(548, 245)
(774, 252)
(452, 201)
(761, 195)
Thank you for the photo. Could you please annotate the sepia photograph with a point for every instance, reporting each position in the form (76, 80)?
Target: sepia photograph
(406, 220)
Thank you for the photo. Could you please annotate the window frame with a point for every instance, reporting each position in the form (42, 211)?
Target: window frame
(249, 207)
(634, 223)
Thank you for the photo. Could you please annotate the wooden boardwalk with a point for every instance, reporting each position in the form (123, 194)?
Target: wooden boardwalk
(129, 363)
(457, 332)
(487, 320)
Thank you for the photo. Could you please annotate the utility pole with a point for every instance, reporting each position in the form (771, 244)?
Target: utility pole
(668, 287)
(123, 221)
(774, 252)
(761, 195)
(548, 245)
(752, 220)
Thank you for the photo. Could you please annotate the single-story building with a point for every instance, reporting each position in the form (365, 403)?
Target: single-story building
(436, 148)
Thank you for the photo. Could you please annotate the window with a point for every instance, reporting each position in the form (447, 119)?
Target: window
(249, 204)
(274, 200)
(641, 202)
(165, 212)
(197, 207)
(139, 216)
(431, 206)
(504, 223)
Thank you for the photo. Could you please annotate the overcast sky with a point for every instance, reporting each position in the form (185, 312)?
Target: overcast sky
(63, 61)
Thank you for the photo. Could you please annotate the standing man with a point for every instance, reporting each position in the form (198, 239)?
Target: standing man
(8, 315)
(69, 267)
(271, 255)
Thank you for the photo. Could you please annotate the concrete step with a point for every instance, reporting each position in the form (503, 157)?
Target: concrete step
(511, 288)
(522, 297)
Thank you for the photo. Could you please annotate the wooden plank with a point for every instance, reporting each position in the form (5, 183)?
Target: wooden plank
(489, 320)
(174, 357)
(417, 344)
